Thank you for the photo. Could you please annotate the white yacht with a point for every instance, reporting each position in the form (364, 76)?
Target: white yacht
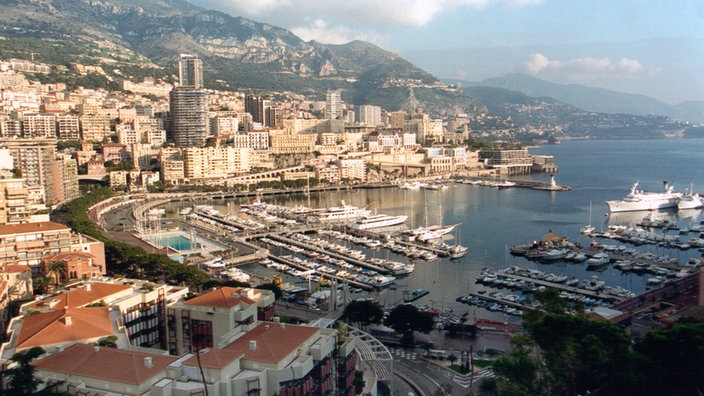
(424, 234)
(640, 200)
(342, 212)
(378, 221)
(690, 200)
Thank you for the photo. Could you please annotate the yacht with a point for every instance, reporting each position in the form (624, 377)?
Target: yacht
(342, 212)
(690, 200)
(424, 234)
(640, 200)
(416, 185)
(377, 221)
(458, 251)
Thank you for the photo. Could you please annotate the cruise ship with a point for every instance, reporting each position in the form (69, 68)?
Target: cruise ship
(639, 200)
(342, 213)
(378, 221)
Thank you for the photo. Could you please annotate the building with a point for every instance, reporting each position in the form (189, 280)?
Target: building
(509, 162)
(189, 116)
(36, 161)
(333, 104)
(292, 143)
(352, 169)
(68, 127)
(190, 71)
(39, 126)
(77, 266)
(210, 319)
(369, 115)
(28, 243)
(66, 185)
(14, 202)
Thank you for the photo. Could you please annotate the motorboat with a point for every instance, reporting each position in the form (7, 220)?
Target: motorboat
(342, 212)
(424, 234)
(377, 221)
(640, 200)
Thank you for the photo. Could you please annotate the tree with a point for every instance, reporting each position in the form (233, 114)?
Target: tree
(58, 268)
(671, 360)
(21, 377)
(406, 319)
(363, 313)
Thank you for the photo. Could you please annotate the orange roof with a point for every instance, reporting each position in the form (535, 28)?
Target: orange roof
(25, 228)
(79, 297)
(214, 358)
(108, 364)
(69, 325)
(274, 341)
(224, 297)
(14, 268)
(63, 256)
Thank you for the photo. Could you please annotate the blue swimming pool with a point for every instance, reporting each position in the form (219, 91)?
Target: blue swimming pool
(177, 242)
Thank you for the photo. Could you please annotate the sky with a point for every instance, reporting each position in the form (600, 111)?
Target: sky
(648, 47)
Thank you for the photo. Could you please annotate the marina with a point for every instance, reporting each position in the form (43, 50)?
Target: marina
(487, 219)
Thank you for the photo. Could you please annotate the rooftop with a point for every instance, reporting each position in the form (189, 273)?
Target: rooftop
(64, 326)
(87, 361)
(274, 341)
(224, 297)
(26, 228)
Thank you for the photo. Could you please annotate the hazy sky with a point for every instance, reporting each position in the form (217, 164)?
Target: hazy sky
(655, 48)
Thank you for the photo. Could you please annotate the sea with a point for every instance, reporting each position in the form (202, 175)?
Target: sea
(492, 220)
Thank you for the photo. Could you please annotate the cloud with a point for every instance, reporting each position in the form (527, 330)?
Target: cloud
(585, 69)
(349, 16)
(321, 31)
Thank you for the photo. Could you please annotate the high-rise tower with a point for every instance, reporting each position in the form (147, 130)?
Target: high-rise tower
(190, 71)
(333, 104)
(189, 104)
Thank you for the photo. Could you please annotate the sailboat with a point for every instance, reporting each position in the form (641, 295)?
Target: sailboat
(588, 229)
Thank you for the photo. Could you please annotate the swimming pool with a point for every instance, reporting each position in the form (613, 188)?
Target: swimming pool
(177, 242)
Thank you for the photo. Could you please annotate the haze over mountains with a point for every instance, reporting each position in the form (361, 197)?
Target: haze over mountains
(595, 99)
(144, 37)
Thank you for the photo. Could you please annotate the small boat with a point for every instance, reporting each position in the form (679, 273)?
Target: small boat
(415, 294)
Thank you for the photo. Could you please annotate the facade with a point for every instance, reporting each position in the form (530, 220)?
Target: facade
(292, 143)
(352, 169)
(36, 160)
(96, 127)
(68, 127)
(77, 266)
(510, 162)
(27, 244)
(14, 202)
(189, 116)
(369, 115)
(333, 104)
(39, 126)
(190, 71)
(210, 319)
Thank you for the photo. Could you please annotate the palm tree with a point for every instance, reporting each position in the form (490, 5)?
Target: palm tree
(58, 268)
(41, 284)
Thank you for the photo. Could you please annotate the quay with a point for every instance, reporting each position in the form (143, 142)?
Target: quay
(520, 183)
(585, 292)
(341, 280)
(501, 301)
(314, 248)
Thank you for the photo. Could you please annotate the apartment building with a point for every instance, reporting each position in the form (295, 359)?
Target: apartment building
(14, 202)
(28, 243)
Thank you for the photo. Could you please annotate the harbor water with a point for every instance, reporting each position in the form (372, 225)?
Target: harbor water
(492, 220)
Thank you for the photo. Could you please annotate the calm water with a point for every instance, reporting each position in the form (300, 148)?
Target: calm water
(492, 220)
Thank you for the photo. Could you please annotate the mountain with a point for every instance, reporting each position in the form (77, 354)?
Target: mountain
(135, 35)
(552, 117)
(596, 99)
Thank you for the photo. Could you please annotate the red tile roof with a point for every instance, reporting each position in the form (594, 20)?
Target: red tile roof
(214, 358)
(64, 326)
(106, 364)
(25, 228)
(224, 297)
(274, 341)
(79, 297)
